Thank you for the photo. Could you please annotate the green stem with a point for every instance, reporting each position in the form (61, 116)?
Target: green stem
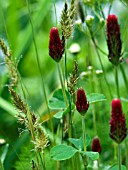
(84, 133)
(124, 77)
(31, 128)
(39, 67)
(93, 40)
(70, 117)
(65, 62)
(62, 84)
(55, 12)
(117, 82)
(119, 157)
(43, 163)
(126, 152)
(94, 120)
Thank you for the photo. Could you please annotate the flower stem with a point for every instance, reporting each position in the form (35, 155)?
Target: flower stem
(119, 157)
(117, 82)
(84, 133)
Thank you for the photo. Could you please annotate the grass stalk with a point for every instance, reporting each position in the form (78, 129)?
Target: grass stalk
(124, 77)
(94, 120)
(62, 84)
(95, 45)
(39, 67)
(30, 124)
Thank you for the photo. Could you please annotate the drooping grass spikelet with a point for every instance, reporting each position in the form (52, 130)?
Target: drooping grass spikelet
(73, 79)
(4, 48)
(42, 140)
(11, 66)
(67, 19)
(18, 102)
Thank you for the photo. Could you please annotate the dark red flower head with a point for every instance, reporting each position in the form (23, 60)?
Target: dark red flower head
(118, 130)
(55, 45)
(82, 104)
(96, 147)
(113, 40)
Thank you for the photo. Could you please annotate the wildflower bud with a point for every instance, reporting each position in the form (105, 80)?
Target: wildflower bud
(102, 22)
(118, 130)
(55, 45)
(113, 40)
(89, 20)
(96, 147)
(82, 104)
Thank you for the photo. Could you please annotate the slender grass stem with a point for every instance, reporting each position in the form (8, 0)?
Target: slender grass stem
(39, 67)
(55, 12)
(43, 163)
(94, 120)
(62, 84)
(94, 42)
(65, 62)
(117, 82)
(119, 157)
(110, 6)
(70, 118)
(30, 124)
(124, 77)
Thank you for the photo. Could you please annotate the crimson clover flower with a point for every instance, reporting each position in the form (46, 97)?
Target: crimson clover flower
(55, 45)
(96, 146)
(118, 130)
(82, 104)
(113, 39)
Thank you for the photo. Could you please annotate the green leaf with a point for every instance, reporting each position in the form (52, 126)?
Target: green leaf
(62, 152)
(57, 101)
(92, 155)
(95, 97)
(8, 107)
(115, 167)
(59, 115)
(78, 143)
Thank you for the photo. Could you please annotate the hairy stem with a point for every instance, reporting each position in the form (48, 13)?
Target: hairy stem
(119, 157)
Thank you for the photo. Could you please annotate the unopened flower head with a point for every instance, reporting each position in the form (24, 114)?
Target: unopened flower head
(118, 130)
(89, 20)
(82, 104)
(55, 45)
(96, 146)
(113, 40)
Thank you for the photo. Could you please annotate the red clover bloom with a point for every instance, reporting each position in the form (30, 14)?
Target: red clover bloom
(96, 146)
(113, 39)
(82, 104)
(118, 130)
(55, 45)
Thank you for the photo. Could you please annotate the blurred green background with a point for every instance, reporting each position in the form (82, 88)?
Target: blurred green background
(16, 30)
